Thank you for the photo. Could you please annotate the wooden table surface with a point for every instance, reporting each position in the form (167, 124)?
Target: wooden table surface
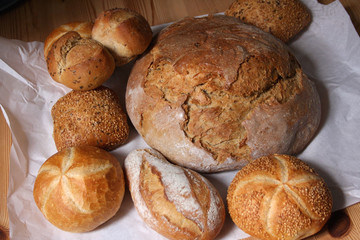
(32, 20)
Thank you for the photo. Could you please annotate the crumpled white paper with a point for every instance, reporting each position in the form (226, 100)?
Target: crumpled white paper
(329, 51)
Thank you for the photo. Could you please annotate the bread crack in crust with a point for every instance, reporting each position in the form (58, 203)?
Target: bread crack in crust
(176, 202)
(79, 63)
(156, 198)
(82, 28)
(279, 197)
(213, 94)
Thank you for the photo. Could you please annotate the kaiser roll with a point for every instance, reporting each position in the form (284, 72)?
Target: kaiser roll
(79, 188)
(282, 18)
(279, 197)
(94, 117)
(79, 63)
(214, 94)
(124, 32)
(174, 201)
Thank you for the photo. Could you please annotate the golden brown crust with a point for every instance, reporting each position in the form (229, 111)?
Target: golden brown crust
(124, 32)
(176, 202)
(83, 28)
(200, 94)
(93, 117)
(282, 18)
(79, 188)
(279, 197)
(79, 63)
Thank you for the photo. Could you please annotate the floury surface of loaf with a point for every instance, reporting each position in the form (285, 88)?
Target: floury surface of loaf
(214, 94)
(174, 201)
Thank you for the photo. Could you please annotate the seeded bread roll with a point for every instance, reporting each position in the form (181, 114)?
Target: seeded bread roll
(279, 197)
(83, 28)
(282, 18)
(174, 201)
(124, 32)
(79, 63)
(79, 188)
(93, 118)
(214, 94)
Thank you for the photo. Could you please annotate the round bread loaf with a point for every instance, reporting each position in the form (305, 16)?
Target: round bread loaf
(83, 28)
(214, 94)
(124, 32)
(93, 118)
(79, 188)
(279, 197)
(174, 201)
(79, 63)
(282, 18)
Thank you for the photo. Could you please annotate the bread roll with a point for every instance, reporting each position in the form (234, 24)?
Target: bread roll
(214, 94)
(174, 201)
(282, 18)
(124, 32)
(279, 197)
(79, 63)
(79, 188)
(83, 28)
(93, 118)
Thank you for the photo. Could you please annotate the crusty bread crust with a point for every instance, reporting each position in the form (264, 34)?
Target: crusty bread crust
(202, 92)
(282, 18)
(79, 188)
(124, 32)
(79, 63)
(279, 197)
(174, 201)
(83, 28)
(92, 117)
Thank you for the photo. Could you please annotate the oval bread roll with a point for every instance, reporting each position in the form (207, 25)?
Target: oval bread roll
(79, 188)
(176, 202)
(124, 32)
(79, 63)
(279, 197)
(93, 118)
(282, 18)
(214, 94)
